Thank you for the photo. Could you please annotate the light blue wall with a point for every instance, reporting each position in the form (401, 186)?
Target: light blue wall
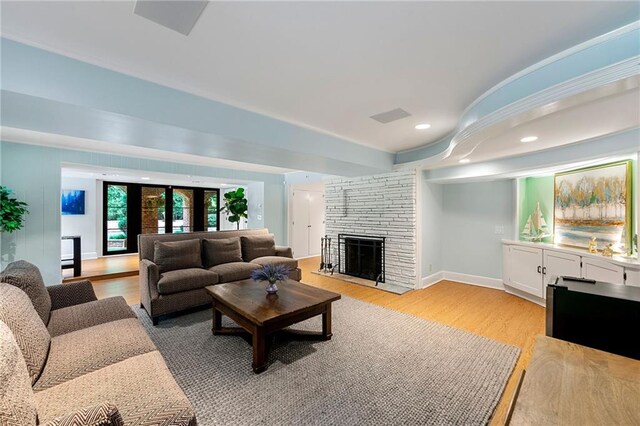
(47, 92)
(471, 211)
(432, 229)
(33, 172)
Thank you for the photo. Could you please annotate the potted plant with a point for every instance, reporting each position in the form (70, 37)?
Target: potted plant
(12, 211)
(235, 206)
(272, 274)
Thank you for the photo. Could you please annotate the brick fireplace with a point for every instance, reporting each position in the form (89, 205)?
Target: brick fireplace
(383, 208)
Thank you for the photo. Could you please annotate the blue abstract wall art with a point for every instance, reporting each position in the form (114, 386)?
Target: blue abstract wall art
(72, 201)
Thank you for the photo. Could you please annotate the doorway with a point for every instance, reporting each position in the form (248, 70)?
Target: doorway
(307, 225)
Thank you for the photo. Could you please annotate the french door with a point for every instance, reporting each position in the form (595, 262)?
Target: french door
(130, 209)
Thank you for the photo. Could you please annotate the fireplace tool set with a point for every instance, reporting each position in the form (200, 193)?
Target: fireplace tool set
(325, 256)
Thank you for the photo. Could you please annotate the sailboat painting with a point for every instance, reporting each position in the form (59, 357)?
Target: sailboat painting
(594, 202)
(536, 227)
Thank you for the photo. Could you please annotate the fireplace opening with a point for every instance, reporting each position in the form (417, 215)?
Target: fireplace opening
(362, 256)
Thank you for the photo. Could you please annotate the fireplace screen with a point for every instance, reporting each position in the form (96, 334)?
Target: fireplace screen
(361, 256)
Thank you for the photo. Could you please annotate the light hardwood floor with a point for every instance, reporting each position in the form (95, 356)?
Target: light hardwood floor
(487, 312)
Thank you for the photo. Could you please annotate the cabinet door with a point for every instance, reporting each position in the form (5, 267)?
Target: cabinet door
(601, 270)
(633, 277)
(560, 264)
(525, 269)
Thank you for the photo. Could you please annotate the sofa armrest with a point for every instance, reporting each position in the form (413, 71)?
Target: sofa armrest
(76, 293)
(149, 277)
(284, 252)
(96, 415)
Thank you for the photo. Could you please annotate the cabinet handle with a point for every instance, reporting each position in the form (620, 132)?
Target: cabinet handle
(544, 270)
(539, 269)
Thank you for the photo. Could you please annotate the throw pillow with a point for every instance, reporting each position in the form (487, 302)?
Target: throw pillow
(222, 250)
(254, 246)
(177, 255)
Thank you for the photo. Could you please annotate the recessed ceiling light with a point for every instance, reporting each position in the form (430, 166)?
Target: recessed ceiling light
(423, 126)
(464, 161)
(529, 139)
(145, 178)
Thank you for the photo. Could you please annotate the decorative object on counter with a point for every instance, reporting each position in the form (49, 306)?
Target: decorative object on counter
(235, 206)
(594, 201)
(536, 227)
(593, 245)
(272, 274)
(12, 211)
(607, 251)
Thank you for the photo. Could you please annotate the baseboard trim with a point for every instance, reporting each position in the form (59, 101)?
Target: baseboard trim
(478, 280)
(432, 279)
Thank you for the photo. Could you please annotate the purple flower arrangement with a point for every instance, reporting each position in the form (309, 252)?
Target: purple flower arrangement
(272, 274)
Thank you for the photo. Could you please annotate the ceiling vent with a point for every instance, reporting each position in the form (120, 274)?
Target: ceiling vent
(178, 16)
(389, 116)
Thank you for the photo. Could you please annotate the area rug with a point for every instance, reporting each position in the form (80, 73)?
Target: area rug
(381, 367)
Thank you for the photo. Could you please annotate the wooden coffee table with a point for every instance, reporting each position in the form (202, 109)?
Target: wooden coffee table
(260, 314)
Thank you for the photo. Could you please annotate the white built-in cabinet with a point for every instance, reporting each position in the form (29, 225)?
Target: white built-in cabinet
(525, 269)
(528, 267)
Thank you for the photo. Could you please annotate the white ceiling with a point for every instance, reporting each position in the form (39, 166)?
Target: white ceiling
(326, 65)
(604, 116)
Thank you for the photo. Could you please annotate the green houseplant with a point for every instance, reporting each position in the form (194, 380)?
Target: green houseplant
(12, 211)
(235, 206)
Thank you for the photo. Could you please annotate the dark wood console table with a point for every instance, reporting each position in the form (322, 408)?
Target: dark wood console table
(76, 261)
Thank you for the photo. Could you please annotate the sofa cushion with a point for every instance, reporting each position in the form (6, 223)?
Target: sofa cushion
(276, 260)
(83, 351)
(17, 312)
(17, 405)
(141, 387)
(255, 246)
(77, 317)
(185, 279)
(177, 255)
(222, 250)
(27, 277)
(234, 271)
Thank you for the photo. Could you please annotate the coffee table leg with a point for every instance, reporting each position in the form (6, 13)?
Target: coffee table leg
(259, 350)
(217, 319)
(326, 323)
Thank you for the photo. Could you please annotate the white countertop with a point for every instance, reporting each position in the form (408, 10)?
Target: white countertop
(624, 261)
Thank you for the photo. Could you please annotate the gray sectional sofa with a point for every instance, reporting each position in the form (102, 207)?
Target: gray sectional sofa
(68, 359)
(176, 268)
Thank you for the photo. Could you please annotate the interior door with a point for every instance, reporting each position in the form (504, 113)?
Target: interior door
(308, 222)
(300, 224)
(525, 269)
